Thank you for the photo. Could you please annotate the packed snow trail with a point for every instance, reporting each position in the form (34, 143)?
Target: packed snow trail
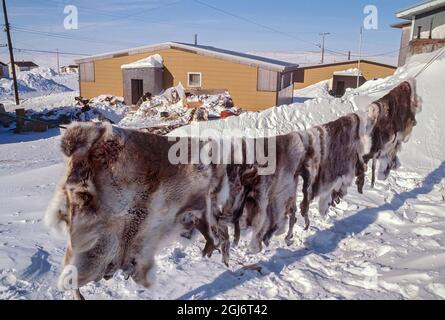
(385, 244)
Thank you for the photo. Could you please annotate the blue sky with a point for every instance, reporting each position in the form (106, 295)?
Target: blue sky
(288, 25)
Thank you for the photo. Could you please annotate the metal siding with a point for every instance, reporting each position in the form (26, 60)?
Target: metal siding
(267, 80)
(86, 71)
(370, 71)
(239, 80)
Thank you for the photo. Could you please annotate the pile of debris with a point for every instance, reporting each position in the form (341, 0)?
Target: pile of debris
(175, 108)
(102, 108)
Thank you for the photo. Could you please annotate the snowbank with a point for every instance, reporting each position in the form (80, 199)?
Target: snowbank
(154, 61)
(39, 80)
(102, 108)
(423, 153)
(348, 72)
(109, 107)
(318, 90)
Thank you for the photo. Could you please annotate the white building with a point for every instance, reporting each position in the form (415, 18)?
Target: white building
(73, 68)
(4, 70)
(23, 66)
(423, 28)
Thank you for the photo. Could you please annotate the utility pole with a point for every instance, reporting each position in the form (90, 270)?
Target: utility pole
(11, 54)
(359, 56)
(323, 35)
(58, 62)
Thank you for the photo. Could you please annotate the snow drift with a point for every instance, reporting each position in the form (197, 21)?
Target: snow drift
(423, 153)
(38, 80)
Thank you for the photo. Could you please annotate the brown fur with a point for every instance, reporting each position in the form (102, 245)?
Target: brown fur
(123, 198)
(392, 119)
(334, 157)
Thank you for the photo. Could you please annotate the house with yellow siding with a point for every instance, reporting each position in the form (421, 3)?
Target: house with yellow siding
(254, 82)
(369, 70)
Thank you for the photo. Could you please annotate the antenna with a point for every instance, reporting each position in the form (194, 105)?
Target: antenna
(359, 56)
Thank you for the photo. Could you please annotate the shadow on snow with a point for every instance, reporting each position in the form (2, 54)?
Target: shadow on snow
(340, 230)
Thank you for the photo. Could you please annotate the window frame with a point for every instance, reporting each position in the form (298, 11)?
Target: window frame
(200, 79)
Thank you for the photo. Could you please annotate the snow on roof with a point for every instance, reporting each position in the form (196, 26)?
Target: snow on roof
(423, 7)
(154, 61)
(238, 57)
(350, 72)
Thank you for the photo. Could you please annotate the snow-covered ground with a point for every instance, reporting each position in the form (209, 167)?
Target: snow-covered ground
(40, 87)
(387, 243)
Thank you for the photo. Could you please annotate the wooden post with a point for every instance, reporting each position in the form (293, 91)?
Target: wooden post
(11, 53)
(20, 119)
(58, 62)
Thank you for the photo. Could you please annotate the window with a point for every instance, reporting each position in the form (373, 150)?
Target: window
(86, 71)
(194, 79)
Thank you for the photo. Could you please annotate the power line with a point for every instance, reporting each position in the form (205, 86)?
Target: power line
(70, 37)
(49, 51)
(286, 34)
(133, 16)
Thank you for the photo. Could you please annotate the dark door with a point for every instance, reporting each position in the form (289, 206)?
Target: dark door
(340, 88)
(137, 90)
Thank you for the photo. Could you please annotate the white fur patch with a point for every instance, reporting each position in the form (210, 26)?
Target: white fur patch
(52, 218)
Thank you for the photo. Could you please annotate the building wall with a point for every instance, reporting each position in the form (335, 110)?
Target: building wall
(418, 46)
(435, 18)
(240, 80)
(308, 76)
(404, 44)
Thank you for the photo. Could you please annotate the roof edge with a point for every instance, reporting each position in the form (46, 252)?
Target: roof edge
(198, 50)
(419, 8)
(348, 62)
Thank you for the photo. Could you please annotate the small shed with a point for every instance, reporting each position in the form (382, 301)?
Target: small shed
(24, 66)
(72, 68)
(142, 77)
(370, 70)
(343, 80)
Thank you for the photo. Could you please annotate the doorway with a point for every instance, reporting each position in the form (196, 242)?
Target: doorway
(340, 88)
(137, 90)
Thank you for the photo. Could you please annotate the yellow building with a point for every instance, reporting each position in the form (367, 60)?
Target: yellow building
(369, 70)
(254, 82)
